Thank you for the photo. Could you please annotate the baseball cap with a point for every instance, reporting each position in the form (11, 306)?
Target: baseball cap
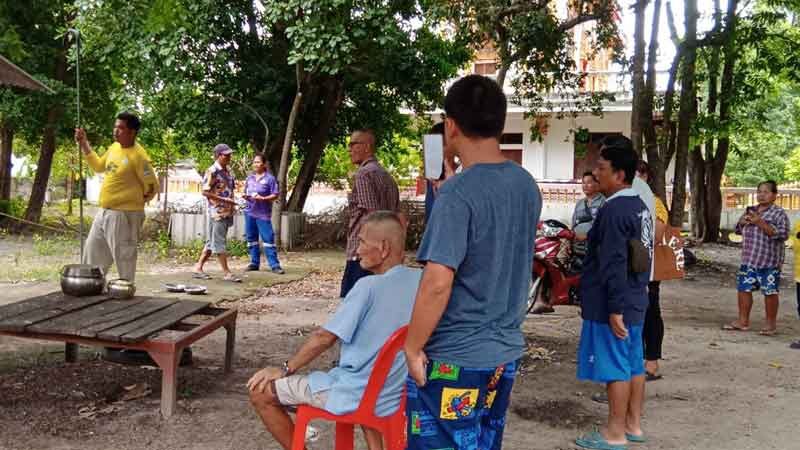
(222, 149)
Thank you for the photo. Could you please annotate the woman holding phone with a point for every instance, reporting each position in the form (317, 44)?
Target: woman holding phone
(764, 229)
(261, 189)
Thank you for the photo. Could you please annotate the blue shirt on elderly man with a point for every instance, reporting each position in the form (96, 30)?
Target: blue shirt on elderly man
(370, 313)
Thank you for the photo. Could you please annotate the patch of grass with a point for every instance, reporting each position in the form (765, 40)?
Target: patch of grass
(53, 245)
(189, 252)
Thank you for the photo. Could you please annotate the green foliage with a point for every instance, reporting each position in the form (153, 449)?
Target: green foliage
(764, 119)
(205, 71)
(538, 45)
(13, 207)
(237, 247)
(401, 155)
(791, 170)
(765, 133)
(190, 252)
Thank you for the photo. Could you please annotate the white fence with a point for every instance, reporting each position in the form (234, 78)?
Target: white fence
(186, 227)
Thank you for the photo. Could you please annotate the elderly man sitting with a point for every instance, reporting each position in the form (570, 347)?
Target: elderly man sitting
(374, 309)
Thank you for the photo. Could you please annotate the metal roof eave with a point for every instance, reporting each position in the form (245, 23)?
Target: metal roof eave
(11, 74)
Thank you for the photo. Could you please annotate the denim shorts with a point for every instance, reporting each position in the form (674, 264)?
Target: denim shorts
(750, 279)
(217, 240)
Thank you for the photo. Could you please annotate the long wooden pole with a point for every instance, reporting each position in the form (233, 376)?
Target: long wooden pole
(277, 207)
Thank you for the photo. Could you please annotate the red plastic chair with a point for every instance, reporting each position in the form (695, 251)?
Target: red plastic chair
(392, 427)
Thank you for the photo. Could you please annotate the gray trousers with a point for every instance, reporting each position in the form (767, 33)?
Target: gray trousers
(113, 239)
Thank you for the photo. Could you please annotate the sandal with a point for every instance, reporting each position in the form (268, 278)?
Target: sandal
(650, 376)
(636, 439)
(201, 276)
(594, 440)
(232, 278)
(734, 326)
(768, 332)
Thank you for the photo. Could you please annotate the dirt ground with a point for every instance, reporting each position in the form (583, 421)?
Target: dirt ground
(721, 390)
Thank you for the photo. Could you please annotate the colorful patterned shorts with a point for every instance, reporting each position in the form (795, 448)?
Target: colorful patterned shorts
(750, 279)
(459, 408)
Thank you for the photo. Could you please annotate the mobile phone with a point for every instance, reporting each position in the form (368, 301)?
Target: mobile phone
(433, 148)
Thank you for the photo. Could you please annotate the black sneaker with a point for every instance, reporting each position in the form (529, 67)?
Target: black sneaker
(251, 268)
(278, 270)
(795, 345)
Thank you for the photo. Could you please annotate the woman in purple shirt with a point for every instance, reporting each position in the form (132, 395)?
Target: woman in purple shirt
(260, 190)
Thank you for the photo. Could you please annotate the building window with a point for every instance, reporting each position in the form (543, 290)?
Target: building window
(511, 139)
(485, 68)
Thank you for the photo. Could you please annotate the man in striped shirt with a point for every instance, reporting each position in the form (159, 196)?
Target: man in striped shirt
(373, 189)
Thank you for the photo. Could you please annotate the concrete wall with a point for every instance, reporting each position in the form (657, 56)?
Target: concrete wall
(553, 158)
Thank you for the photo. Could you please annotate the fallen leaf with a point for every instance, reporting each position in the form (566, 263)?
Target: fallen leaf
(135, 391)
(87, 412)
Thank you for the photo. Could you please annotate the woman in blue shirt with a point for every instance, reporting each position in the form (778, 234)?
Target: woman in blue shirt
(260, 190)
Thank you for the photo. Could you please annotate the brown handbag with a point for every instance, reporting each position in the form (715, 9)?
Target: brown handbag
(668, 255)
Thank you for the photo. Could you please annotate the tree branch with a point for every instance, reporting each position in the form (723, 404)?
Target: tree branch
(577, 20)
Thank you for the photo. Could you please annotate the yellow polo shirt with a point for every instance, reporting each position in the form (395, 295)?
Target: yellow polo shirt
(129, 181)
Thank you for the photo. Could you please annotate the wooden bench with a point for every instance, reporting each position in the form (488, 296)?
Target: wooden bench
(162, 327)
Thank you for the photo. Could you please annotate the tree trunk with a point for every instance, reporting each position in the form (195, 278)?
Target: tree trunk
(502, 71)
(319, 140)
(638, 75)
(505, 58)
(68, 187)
(43, 167)
(717, 164)
(166, 191)
(657, 163)
(697, 184)
(6, 141)
(45, 164)
(277, 207)
(686, 114)
(699, 166)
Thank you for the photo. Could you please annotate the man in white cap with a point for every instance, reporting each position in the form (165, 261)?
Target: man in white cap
(218, 186)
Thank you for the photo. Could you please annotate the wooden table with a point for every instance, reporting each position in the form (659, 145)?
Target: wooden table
(162, 327)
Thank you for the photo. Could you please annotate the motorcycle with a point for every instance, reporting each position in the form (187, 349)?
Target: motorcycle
(554, 279)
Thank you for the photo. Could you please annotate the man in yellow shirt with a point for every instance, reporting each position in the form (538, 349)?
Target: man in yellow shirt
(129, 183)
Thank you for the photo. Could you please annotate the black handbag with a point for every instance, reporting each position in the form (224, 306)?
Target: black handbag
(638, 257)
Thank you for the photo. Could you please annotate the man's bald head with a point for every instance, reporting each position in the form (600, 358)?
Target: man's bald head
(387, 225)
(381, 241)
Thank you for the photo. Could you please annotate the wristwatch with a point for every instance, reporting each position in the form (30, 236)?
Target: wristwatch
(286, 370)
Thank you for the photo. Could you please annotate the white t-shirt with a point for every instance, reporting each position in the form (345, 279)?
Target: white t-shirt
(649, 200)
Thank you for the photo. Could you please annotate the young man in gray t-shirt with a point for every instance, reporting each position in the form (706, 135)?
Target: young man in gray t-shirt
(464, 338)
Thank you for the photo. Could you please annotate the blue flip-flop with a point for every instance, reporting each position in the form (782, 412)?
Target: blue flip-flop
(635, 439)
(595, 441)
